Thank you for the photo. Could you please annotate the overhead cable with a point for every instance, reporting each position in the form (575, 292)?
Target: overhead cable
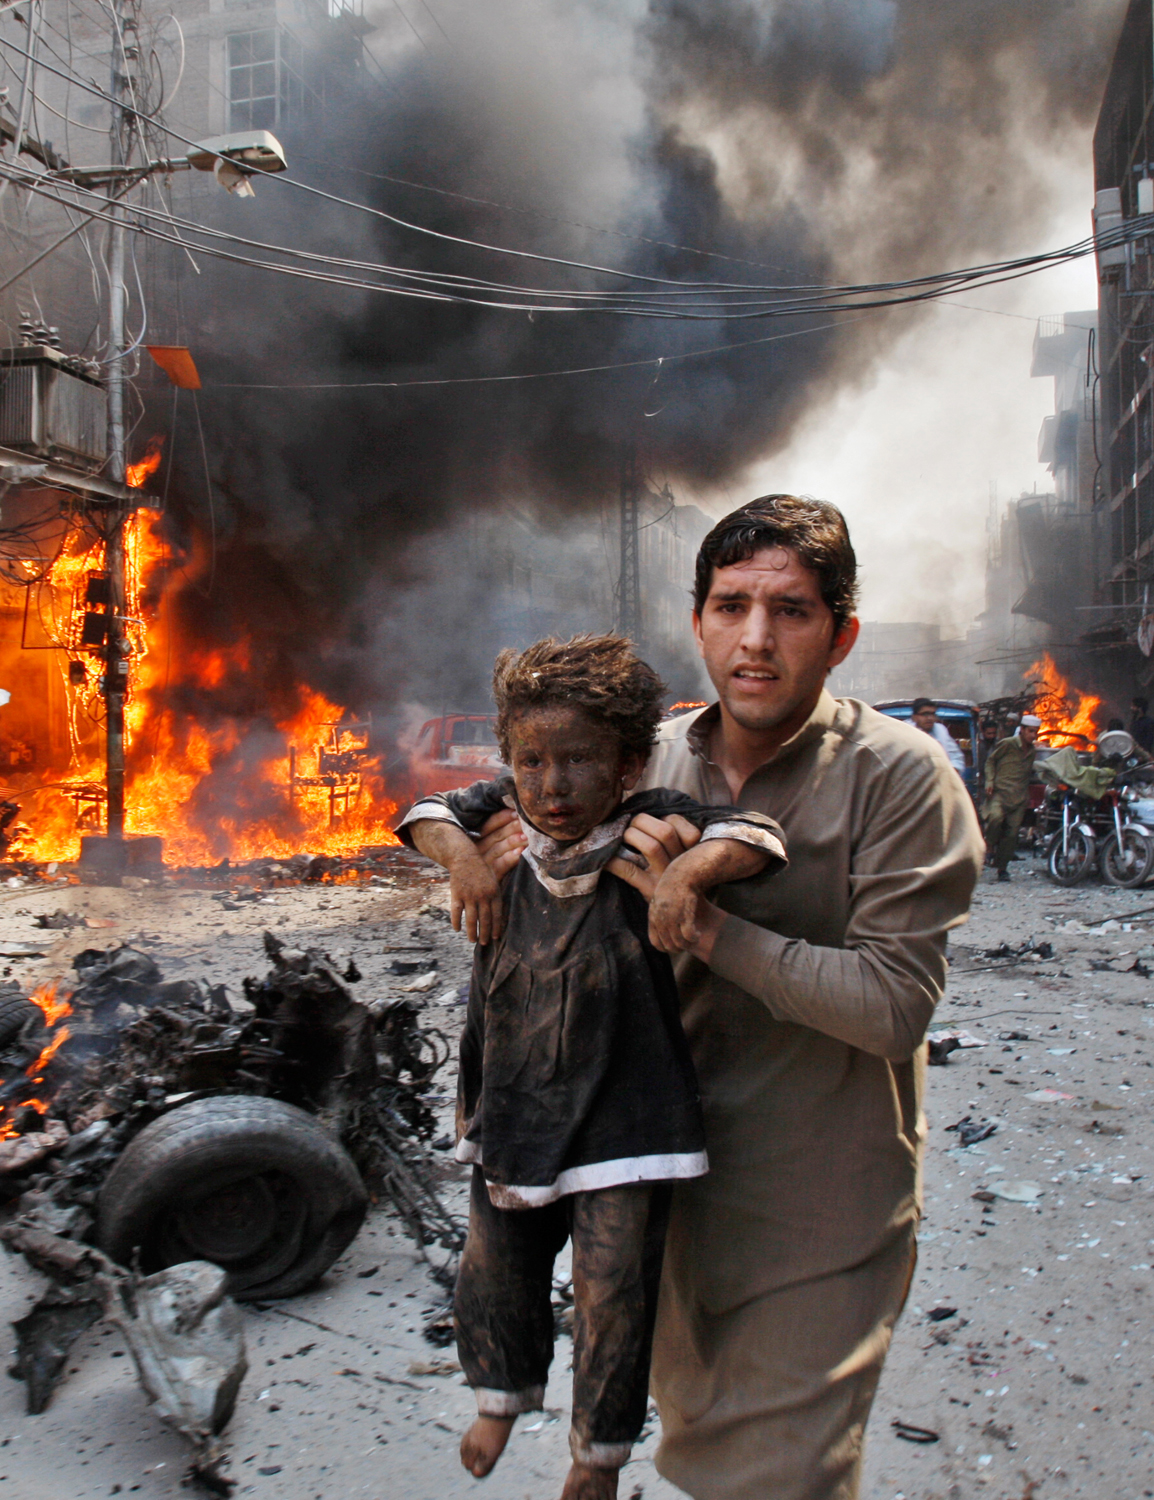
(681, 286)
(445, 288)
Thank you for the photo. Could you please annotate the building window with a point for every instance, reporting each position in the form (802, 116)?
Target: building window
(266, 85)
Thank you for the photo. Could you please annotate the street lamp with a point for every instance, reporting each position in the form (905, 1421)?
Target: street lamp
(233, 159)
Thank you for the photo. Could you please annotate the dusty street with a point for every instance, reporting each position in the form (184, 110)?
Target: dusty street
(1037, 1384)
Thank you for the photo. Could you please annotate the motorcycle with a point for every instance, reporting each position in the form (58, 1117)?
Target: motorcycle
(1069, 836)
(1107, 830)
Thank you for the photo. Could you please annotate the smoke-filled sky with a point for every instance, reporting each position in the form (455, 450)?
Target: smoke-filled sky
(801, 141)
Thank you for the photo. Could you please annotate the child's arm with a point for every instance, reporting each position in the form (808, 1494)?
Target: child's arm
(680, 919)
(474, 890)
(440, 826)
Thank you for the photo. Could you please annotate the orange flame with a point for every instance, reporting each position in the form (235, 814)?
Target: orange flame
(36, 1070)
(1067, 715)
(45, 997)
(55, 1008)
(242, 785)
(136, 474)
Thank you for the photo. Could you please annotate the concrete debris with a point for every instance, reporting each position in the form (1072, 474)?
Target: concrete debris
(1017, 1192)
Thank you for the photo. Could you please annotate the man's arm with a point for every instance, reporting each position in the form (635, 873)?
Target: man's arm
(474, 891)
(678, 912)
(991, 770)
(914, 869)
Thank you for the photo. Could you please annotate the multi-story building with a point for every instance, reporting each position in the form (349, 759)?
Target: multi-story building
(1064, 349)
(204, 68)
(1124, 189)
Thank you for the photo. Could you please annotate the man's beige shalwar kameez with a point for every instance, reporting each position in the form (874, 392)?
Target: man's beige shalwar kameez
(788, 1264)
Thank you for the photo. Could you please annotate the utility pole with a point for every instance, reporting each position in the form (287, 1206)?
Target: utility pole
(629, 580)
(116, 650)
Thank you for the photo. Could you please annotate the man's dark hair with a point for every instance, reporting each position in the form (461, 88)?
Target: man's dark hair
(600, 674)
(920, 703)
(813, 529)
(1141, 704)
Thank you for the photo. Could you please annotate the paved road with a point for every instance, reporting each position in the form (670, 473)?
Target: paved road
(1042, 1378)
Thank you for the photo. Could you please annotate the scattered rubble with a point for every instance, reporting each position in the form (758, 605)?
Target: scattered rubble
(220, 1149)
(970, 1132)
(183, 1331)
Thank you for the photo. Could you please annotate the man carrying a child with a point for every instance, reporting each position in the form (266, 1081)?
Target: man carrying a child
(805, 999)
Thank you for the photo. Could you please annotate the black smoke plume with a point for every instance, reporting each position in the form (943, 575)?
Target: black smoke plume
(736, 139)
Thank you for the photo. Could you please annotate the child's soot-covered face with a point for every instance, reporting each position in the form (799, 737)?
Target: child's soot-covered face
(570, 771)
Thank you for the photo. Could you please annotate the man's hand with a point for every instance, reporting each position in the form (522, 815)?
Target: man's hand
(660, 841)
(681, 920)
(475, 894)
(501, 842)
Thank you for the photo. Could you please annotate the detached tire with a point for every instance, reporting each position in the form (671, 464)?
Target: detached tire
(254, 1185)
(14, 1012)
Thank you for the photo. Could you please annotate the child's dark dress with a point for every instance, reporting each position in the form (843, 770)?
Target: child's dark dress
(575, 1079)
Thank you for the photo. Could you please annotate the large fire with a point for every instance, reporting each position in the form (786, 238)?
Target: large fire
(1067, 715)
(268, 782)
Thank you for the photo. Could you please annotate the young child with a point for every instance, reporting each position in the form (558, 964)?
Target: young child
(577, 1102)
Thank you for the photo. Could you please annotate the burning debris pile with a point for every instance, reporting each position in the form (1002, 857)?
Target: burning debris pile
(1069, 716)
(151, 1124)
(380, 865)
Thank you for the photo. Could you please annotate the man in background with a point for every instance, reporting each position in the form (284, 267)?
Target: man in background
(925, 718)
(1141, 724)
(1009, 767)
(986, 742)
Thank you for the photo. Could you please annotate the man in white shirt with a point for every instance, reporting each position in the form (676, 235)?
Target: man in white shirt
(925, 717)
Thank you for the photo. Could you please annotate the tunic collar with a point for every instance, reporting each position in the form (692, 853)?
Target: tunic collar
(825, 712)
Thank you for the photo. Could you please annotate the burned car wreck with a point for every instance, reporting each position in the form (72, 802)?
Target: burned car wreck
(150, 1125)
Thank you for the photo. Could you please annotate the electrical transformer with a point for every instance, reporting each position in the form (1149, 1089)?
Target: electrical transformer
(51, 406)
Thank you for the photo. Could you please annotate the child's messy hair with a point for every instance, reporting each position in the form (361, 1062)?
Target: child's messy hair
(601, 674)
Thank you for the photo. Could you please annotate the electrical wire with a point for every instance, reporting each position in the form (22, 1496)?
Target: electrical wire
(537, 213)
(684, 302)
(455, 288)
(166, 99)
(682, 287)
(35, 12)
(409, 24)
(56, 244)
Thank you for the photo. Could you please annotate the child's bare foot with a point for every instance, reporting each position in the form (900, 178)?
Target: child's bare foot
(484, 1443)
(586, 1483)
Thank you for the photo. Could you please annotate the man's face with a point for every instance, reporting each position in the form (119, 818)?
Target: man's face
(1027, 734)
(570, 771)
(925, 718)
(989, 732)
(767, 639)
(1135, 710)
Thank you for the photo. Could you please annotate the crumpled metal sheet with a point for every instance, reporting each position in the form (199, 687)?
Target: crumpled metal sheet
(187, 1338)
(45, 1336)
(185, 1335)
